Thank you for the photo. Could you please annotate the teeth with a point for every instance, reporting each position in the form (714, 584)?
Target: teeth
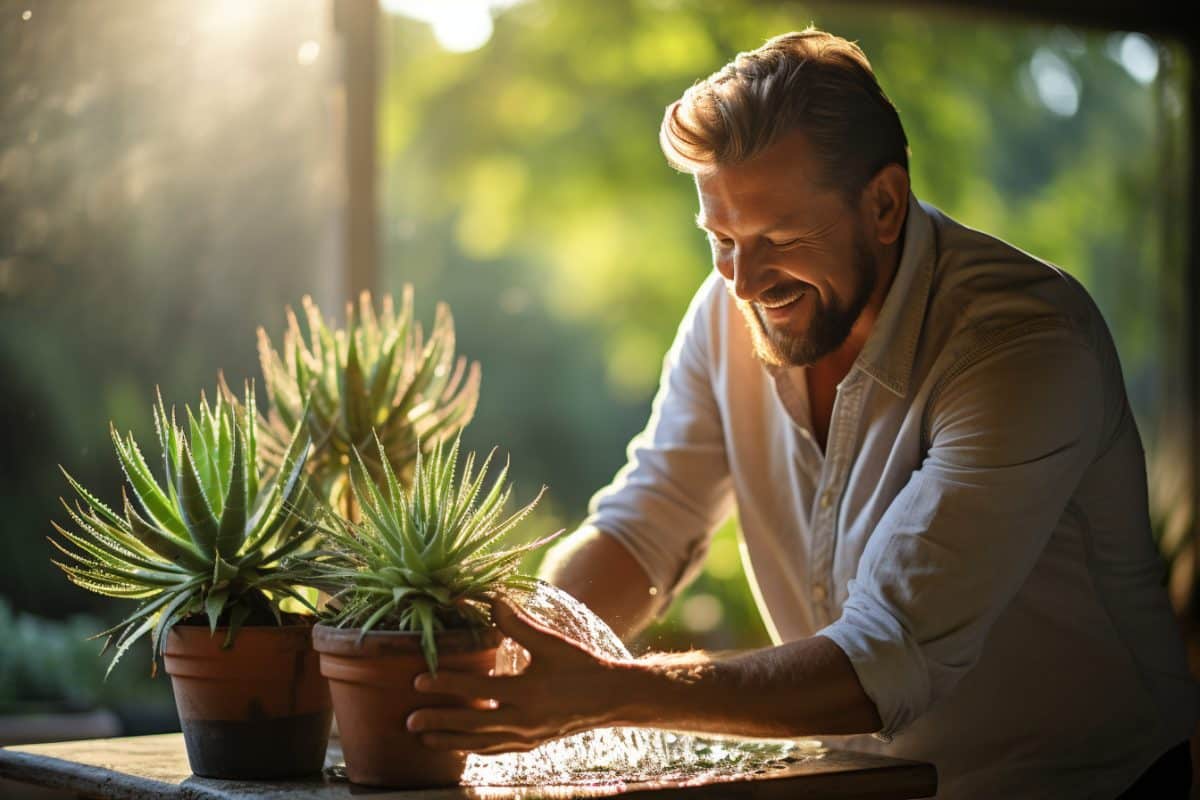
(786, 301)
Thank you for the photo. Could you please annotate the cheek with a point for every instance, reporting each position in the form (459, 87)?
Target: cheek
(823, 269)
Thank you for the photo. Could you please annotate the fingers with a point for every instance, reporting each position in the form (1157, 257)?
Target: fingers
(493, 690)
(451, 719)
(460, 684)
(482, 743)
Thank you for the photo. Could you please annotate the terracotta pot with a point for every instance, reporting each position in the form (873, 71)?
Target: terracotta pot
(372, 692)
(257, 711)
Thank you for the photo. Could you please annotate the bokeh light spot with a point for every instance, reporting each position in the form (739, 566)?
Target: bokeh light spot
(308, 53)
(702, 612)
(1139, 56)
(1057, 83)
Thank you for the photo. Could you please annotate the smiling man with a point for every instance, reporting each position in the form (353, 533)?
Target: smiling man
(926, 437)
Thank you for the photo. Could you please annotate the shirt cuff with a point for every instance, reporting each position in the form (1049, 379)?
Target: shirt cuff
(889, 664)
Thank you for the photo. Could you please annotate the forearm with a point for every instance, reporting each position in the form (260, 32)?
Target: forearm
(598, 571)
(797, 689)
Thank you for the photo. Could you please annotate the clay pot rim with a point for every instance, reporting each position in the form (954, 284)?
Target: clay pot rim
(305, 626)
(195, 640)
(344, 641)
(194, 632)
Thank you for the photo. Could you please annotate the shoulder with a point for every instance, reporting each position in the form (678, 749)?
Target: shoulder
(998, 313)
(986, 292)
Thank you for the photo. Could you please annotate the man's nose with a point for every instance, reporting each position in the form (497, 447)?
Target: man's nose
(750, 274)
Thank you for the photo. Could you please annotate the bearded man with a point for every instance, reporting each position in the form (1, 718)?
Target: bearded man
(927, 440)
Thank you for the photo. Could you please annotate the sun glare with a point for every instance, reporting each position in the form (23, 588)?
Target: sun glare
(459, 26)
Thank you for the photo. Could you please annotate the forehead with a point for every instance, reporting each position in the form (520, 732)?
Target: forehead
(783, 182)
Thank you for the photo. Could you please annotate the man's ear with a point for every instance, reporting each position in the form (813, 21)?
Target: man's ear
(885, 203)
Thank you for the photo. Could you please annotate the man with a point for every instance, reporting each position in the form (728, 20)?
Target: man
(938, 477)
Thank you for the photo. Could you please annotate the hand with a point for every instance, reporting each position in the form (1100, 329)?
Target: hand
(564, 690)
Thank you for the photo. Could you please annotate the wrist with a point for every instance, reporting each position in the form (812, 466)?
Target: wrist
(635, 695)
(657, 691)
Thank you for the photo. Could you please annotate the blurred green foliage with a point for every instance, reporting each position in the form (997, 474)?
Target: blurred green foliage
(169, 181)
(49, 665)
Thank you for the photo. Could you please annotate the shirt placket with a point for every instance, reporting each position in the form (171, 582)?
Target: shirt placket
(847, 408)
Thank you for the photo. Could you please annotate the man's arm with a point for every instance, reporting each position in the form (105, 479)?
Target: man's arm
(599, 571)
(673, 492)
(796, 689)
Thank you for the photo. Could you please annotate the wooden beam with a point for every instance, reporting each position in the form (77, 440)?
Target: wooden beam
(358, 23)
(1154, 17)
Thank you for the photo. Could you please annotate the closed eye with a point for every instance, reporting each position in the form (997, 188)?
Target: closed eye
(783, 245)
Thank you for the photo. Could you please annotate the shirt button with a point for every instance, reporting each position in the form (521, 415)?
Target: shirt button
(818, 593)
(826, 499)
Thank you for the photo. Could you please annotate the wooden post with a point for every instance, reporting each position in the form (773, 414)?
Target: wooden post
(1192, 309)
(357, 21)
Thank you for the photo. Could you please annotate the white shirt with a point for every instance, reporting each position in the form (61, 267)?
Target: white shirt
(975, 536)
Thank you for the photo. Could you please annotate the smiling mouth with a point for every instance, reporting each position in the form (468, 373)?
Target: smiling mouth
(783, 303)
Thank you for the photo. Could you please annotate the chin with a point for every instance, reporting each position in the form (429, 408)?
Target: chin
(769, 345)
(779, 346)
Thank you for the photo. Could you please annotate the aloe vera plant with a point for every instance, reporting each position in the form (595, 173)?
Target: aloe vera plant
(425, 558)
(378, 376)
(209, 538)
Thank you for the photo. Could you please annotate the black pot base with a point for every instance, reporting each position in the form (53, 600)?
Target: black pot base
(258, 749)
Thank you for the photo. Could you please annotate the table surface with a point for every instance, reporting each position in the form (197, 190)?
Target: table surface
(144, 767)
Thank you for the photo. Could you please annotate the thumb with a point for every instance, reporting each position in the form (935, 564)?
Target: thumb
(531, 635)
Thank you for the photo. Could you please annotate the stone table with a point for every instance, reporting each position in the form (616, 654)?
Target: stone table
(153, 767)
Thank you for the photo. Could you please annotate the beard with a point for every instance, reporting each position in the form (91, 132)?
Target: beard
(830, 324)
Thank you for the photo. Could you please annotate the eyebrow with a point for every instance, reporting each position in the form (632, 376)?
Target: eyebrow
(788, 225)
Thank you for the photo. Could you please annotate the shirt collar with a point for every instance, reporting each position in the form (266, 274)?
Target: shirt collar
(888, 354)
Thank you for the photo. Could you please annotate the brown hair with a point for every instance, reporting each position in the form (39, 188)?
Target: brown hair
(812, 82)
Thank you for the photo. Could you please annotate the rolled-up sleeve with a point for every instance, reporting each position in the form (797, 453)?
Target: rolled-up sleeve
(1011, 431)
(674, 489)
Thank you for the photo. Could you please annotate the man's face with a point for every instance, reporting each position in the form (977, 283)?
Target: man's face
(793, 253)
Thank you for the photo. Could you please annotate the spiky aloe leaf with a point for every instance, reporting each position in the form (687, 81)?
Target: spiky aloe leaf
(156, 503)
(199, 549)
(194, 507)
(352, 386)
(199, 452)
(232, 530)
(163, 543)
(214, 604)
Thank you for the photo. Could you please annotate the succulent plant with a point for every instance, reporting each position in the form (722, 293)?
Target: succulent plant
(425, 558)
(379, 375)
(208, 539)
